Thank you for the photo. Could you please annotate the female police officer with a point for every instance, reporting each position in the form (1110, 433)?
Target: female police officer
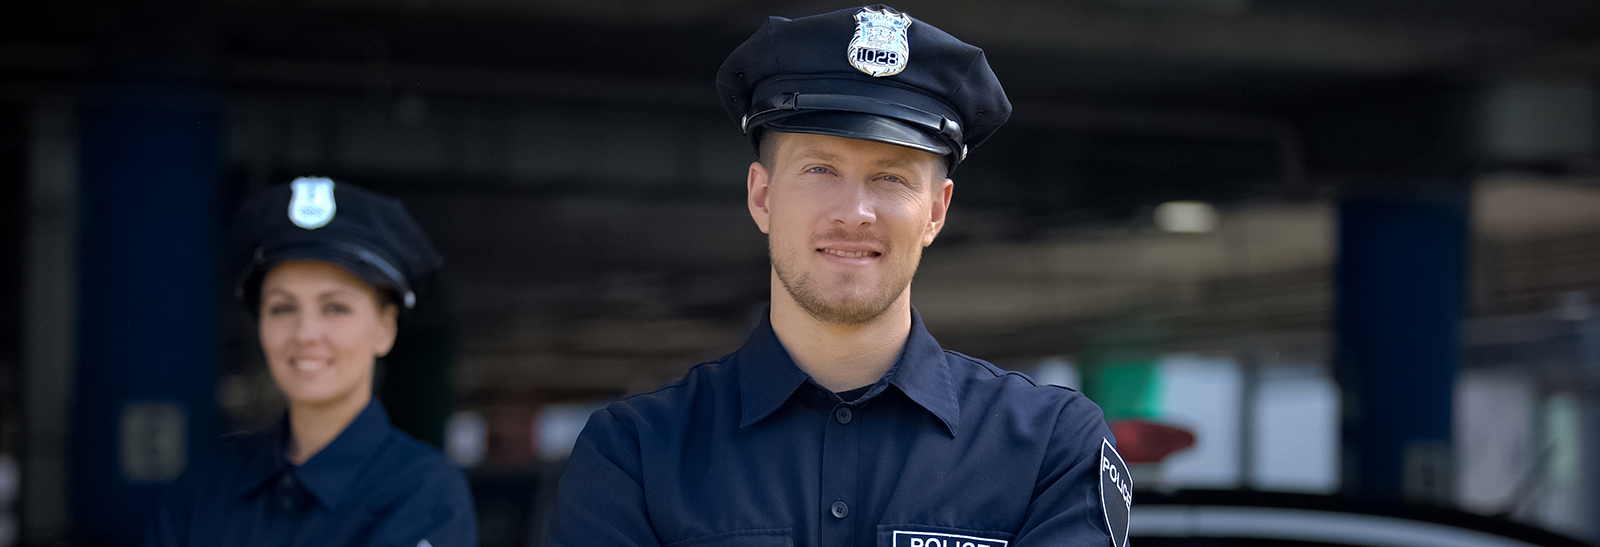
(326, 269)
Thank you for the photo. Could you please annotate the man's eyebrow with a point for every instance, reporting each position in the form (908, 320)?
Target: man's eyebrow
(812, 153)
(892, 162)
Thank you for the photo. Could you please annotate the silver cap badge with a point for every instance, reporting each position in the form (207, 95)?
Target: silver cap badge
(879, 47)
(312, 205)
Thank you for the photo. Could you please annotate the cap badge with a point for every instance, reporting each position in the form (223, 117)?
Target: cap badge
(879, 47)
(312, 206)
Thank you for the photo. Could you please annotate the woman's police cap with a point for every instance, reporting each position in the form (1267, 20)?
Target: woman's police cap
(314, 218)
(864, 73)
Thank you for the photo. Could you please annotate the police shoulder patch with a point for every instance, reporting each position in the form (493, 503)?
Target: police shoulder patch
(1116, 493)
(880, 47)
(311, 205)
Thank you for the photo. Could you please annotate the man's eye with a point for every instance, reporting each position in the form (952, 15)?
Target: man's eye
(819, 170)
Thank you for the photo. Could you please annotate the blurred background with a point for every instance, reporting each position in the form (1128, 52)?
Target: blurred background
(1343, 248)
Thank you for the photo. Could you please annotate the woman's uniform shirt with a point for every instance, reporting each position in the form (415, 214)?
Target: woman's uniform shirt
(749, 451)
(373, 485)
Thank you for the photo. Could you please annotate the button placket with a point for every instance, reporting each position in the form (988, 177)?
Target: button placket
(840, 461)
(285, 492)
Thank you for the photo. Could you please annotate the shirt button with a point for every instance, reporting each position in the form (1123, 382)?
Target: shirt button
(286, 482)
(840, 509)
(843, 415)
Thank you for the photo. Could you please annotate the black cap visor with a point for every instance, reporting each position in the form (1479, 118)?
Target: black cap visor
(368, 266)
(859, 126)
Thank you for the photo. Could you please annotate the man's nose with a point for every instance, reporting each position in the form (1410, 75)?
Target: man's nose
(853, 206)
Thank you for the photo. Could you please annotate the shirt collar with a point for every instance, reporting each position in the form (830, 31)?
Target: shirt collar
(923, 374)
(264, 457)
(768, 375)
(328, 474)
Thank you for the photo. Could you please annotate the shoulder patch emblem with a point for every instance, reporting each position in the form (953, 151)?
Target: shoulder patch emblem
(880, 47)
(1116, 493)
(312, 205)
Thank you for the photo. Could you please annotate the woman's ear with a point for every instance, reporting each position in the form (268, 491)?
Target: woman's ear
(388, 329)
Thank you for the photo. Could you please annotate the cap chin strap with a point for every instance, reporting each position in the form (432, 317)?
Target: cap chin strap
(796, 102)
(409, 297)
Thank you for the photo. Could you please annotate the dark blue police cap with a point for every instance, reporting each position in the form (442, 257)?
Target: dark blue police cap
(314, 218)
(864, 73)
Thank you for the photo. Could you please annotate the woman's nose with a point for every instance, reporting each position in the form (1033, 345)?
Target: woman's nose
(307, 328)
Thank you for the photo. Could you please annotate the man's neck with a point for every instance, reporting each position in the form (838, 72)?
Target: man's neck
(840, 357)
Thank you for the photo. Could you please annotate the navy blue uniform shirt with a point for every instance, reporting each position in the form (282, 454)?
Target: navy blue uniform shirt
(373, 485)
(749, 451)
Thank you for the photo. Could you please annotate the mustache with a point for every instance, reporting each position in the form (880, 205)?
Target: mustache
(841, 235)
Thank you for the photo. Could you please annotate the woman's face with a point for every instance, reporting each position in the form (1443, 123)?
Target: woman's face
(322, 328)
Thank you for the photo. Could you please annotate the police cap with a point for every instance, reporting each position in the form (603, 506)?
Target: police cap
(314, 218)
(868, 73)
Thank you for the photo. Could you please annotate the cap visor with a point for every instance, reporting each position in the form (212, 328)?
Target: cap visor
(371, 274)
(859, 126)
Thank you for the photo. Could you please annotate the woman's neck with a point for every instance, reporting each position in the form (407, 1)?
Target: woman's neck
(313, 426)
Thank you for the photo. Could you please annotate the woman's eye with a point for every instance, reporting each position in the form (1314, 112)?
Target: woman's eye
(280, 309)
(335, 309)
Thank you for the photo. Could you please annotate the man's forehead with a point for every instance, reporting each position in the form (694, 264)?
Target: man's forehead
(826, 147)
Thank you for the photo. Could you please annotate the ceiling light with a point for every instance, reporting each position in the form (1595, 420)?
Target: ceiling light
(1186, 217)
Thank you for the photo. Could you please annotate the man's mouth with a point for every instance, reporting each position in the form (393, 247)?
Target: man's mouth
(850, 254)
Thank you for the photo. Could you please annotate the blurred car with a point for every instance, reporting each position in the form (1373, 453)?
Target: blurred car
(1217, 518)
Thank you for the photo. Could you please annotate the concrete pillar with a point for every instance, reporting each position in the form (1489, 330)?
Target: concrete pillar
(49, 301)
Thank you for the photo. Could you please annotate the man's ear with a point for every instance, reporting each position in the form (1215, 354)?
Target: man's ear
(941, 207)
(756, 184)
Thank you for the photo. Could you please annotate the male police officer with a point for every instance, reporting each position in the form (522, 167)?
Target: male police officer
(841, 421)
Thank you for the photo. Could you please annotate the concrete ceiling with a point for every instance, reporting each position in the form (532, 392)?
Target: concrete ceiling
(587, 291)
(1197, 52)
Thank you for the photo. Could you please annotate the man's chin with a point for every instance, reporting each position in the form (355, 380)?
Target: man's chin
(854, 310)
(842, 317)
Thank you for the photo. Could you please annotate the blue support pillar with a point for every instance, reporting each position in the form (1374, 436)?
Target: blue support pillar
(149, 288)
(1401, 284)
(1404, 153)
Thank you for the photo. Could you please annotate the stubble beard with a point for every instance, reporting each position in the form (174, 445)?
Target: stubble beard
(841, 309)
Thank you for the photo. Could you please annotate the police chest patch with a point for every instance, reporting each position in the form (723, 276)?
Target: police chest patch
(1116, 493)
(311, 205)
(903, 538)
(879, 47)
